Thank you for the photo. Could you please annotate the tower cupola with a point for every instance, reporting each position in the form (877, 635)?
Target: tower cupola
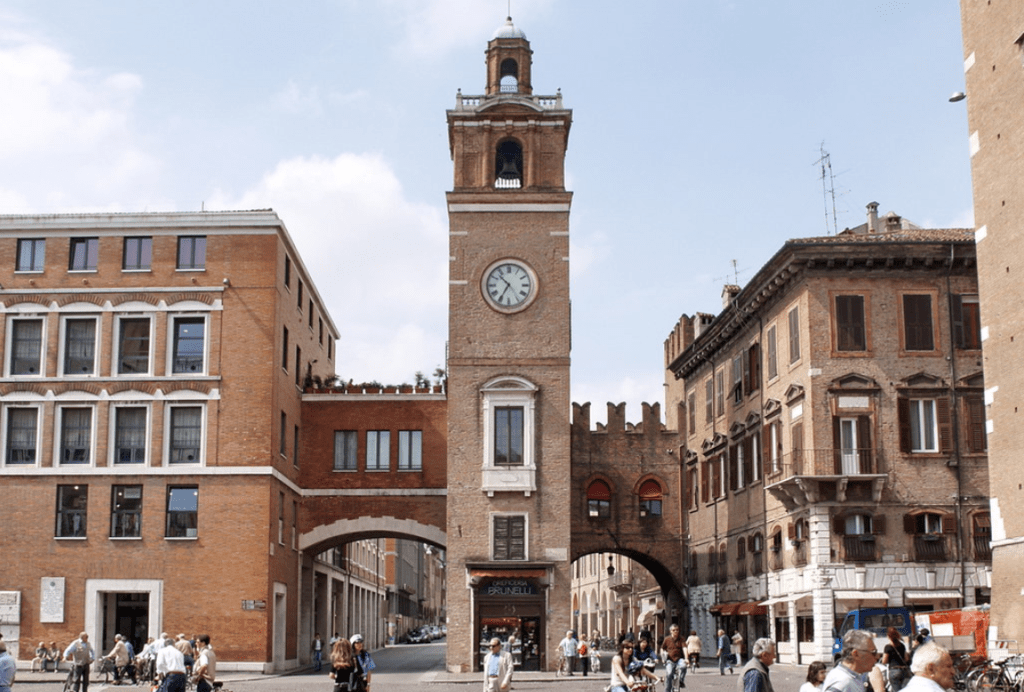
(509, 59)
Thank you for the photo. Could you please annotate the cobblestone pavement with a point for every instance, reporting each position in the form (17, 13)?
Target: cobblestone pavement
(405, 668)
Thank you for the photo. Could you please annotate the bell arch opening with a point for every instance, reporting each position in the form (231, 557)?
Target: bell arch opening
(508, 165)
(509, 75)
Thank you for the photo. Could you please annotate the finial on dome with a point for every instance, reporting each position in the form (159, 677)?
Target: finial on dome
(508, 30)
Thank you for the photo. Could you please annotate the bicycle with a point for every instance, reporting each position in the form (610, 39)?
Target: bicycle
(992, 676)
(562, 664)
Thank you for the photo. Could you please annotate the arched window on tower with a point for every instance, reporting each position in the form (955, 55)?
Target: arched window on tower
(508, 166)
(599, 500)
(509, 77)
(650, 499)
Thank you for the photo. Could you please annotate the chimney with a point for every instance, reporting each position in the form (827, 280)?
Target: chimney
(893, 222)
(701, 321)
(729, 291)
(873, 217)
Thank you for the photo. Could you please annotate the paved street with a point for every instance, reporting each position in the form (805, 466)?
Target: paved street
(409, 667)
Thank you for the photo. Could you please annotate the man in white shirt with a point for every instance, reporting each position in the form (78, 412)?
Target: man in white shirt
(170, 666)
(933, 669)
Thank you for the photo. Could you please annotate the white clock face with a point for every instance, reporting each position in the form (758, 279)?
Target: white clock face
(508, 285)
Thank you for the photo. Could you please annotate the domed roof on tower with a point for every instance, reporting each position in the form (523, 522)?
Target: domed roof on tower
(508, 30)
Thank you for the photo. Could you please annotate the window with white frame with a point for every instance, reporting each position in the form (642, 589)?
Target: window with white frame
(130, 424)
(26, 346)
(133, 345)
(185, 433)
(31, 255)
(75, 434)
(410, 450)
(378, 450)
(508, 411)
(924, 431)
(79, 346)
(508, 537)
(189, 345)
(22, 435)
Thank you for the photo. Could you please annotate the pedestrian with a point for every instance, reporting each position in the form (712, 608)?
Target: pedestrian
(119, 655)
(497, 668)
(755, 676)
(81, 655)
(724, 653)
(583, 654)
(816, 673)
(895, 659)
(8, 669)
(366, 664)
(345, 668)
(570, 650)
(206, 665)
(187, 651)
(672, 649)
(622, 680)
(318, 652)
(595, 652)
(932, 668)
(170, 666)
(858, 657)
(737, 648)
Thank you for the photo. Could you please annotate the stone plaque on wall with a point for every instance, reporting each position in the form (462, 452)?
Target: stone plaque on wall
(51, 599)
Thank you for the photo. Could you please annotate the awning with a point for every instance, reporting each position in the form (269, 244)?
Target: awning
(646, 617)
(928, 595)
(788, 598)
(509, 573)
(751, 608)
(725, 609)
(862, 595)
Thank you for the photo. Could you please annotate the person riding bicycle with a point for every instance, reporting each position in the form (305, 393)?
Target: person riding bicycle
(672, 651)
(622, 680)
(644, 655)
(693, 649)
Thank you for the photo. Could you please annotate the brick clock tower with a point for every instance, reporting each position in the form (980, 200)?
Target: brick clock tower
(508, 365)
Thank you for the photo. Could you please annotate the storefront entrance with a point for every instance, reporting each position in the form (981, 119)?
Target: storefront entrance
(512, 610)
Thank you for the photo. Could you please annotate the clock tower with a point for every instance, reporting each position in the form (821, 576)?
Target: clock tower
(508, 365)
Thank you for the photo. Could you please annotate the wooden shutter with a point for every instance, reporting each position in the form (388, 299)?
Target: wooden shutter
(948, 523)
(974, 406)
(766, 451)
(945, 421)
(733, 466)
(837, 446)
(957, 308)
(878, 524)
(705, 479)
(797, 433)
(773, 362)
(753, 368)
(791, 531)
(748, 459)
(839, 526)
(864, 444)
(903, 414)
(910, 524)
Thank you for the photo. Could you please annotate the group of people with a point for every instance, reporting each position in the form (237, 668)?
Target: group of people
(164, 660)
(862, 667)
(47, 657)
(351, 664)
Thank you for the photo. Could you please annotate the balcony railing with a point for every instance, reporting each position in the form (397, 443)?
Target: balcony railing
(800, 553)
(775, 561)
(621, 582)
(824, 462)
(931, 548)
(756, 563)
(860, 548)
(983, 547)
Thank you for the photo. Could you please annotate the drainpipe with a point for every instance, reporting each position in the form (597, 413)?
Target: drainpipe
(954, 414)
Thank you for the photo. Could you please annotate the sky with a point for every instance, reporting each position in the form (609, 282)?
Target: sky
(694, 154)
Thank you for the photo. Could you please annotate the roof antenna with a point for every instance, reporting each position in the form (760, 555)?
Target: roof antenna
(828, 187)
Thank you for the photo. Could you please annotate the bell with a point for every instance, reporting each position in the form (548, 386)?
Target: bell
(509, 170)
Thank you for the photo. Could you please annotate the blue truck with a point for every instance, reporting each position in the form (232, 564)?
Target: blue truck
(877, 621)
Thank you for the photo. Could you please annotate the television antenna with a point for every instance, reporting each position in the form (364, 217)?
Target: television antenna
(735, 274)
(828, 189)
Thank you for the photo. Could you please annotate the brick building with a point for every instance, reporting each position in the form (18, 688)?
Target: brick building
(151, 396)
(835, 443)
(993, 35)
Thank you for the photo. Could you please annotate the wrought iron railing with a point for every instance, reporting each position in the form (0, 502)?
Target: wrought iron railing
(824, 462)
(800, 553)
(859, 548)
(983, 547)
(775, 561)
(931, 547)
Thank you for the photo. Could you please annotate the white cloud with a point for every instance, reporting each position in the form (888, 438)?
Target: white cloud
(296, 100)
(439, 26)
(68, 138)
(377, 260)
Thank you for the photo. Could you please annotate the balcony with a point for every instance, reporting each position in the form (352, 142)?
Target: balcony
(931, 547)
(775, 561)
(621, 582)
(807, 476)
(860, 548)
(800, 553)
(983, 547)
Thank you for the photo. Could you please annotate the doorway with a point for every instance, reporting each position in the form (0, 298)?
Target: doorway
(126, 614)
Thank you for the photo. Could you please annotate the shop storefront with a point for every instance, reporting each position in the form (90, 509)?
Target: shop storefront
(510, 605)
